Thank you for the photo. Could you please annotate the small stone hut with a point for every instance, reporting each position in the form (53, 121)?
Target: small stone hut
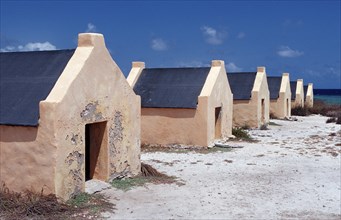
(250, 98)
(309, 95)
(297, 93)
(280, 95)
(67, 116)
(191, 106)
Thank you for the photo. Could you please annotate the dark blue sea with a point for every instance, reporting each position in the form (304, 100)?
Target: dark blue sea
(329, 96)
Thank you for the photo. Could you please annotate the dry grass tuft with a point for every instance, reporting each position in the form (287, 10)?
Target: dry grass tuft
(34, 205)
(29, 204)
(147, 170)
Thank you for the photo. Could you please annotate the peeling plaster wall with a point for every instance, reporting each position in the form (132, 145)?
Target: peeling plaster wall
(190, 126)
(91, 89)
(173, 126)
(280, 107)
(245, 113)
(105, 96)
(27, 157)
(249, 112)
(274, 106)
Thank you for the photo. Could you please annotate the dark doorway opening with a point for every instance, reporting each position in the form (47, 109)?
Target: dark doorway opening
(218, 122)
(95, 151)
(263, 111)
(288, 110)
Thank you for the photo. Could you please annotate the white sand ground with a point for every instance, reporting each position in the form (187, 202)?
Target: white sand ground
(293, 172)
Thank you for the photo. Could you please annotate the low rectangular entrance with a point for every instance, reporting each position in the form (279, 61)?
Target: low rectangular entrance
(96, 151)
(217, 120)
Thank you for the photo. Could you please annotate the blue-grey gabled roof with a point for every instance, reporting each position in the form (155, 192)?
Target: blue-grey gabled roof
(305, 89)
(274, 83)
(293, 89)
(241, 84)
(171, 87)
(26, 78)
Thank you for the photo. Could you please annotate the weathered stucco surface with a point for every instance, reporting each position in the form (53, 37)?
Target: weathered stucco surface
(162, 126)
(91, 89)
(190, 126)
(309, 98)
(254, 112)
(281, 107)
(27, 160)
(299, 99)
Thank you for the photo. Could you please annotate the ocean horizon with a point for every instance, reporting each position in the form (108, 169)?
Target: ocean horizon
(329, 96)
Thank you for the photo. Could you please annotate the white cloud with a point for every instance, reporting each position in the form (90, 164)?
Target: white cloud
(91, 28)
(159, 45)
(289, 22)
(285, 51)
(38, 46)
(325, 71)
(213, 36)
(8, 49)
(30, 47)
(313, 73)
(193, 63)
(231, 67)
(241, 35)
(331, 71)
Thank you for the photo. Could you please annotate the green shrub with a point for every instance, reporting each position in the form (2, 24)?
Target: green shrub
(324, 109)
(240, 133)
(331, 120)
(264, 127)
(338, 121)
(128, 183)
(300, 111)
(320, 108)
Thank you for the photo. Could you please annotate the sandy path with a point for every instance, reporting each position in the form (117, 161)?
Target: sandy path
(292, 172)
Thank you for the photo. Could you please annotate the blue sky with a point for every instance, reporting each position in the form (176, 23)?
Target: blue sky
(299, 37)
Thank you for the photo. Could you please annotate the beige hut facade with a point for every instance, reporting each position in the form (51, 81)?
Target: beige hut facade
(251, 98)
(191, 106)
(88, 126)
(309, 95)
(297, 93)
(280, 96)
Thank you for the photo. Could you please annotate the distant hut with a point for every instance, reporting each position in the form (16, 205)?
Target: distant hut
(191, 106)
(250, 98)
(297, 93)
(309, 95)
(67, 116)
(280, 95)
